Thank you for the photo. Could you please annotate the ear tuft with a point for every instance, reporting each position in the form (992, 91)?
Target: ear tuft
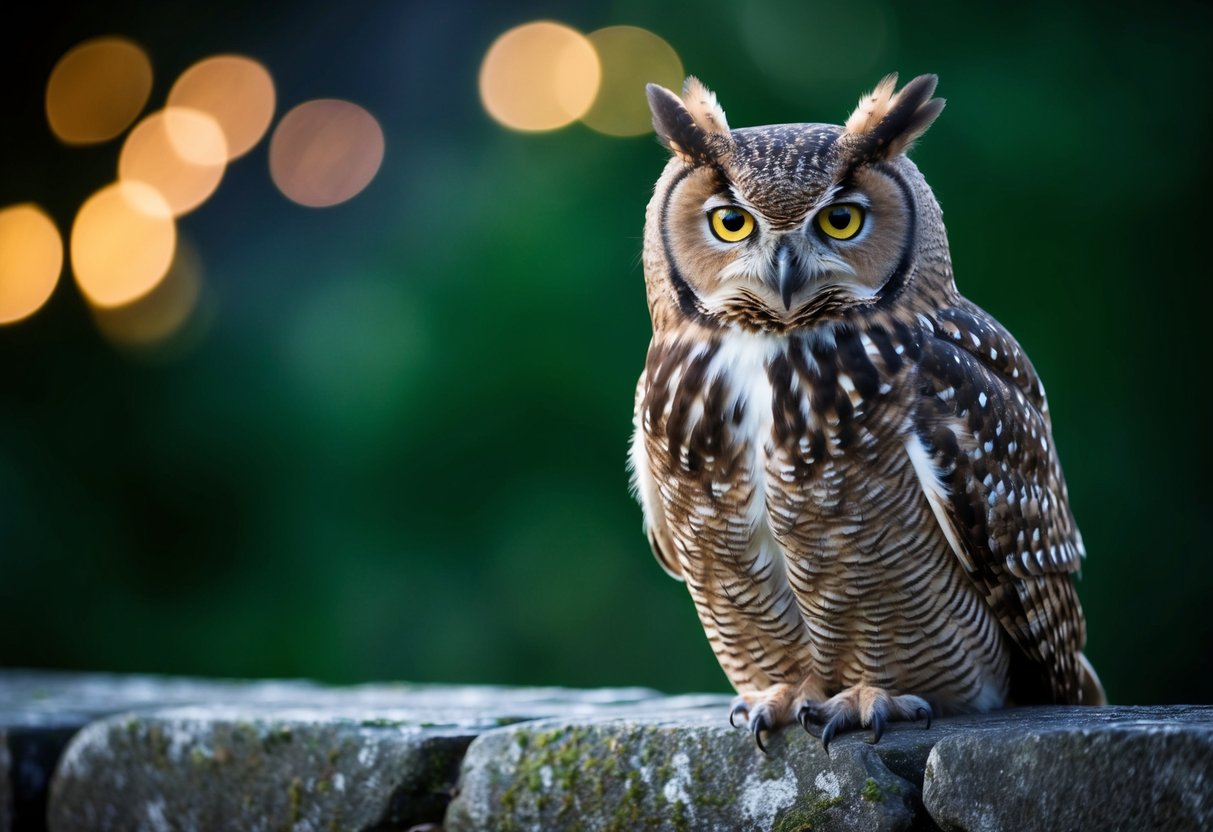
(704, 108)
(873, 106)
(692, 127)
(886, 124)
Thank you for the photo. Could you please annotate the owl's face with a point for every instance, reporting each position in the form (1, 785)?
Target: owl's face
(772, 227)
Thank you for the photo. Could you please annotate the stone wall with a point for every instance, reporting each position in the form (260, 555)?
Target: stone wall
(97, 752)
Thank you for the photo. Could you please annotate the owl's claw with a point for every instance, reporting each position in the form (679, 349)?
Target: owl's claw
(807, 714)
(878, 725)
(766, 711)
(837, 723)
(758, 724)
(861, 706)
(740, 709)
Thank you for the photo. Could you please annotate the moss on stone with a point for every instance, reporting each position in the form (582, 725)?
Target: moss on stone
(294, 799)
(275, 736)
(806, 818)
(646, 754)
(557, 755)
(678, 817)
(159, 746)
(871, 791)
(770, 769)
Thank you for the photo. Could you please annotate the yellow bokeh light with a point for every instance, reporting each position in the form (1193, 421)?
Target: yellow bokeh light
(122, 243)
(96, 90)
(236, 91)
(156, 317)
(181, 153)
(325, 151)
(31, 258)
(539, 76)
(631, 57)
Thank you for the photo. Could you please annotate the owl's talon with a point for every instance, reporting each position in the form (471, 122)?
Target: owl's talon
(759, 724)
(807, 714)
(878, 725)
(739, 709)
(836, 724)
(926, 712)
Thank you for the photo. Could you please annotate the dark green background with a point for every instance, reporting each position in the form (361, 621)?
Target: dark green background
(397, 450)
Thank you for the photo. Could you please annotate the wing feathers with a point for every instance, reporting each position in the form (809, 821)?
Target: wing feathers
(984, 455)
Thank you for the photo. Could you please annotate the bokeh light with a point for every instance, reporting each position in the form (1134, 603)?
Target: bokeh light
(325, 151)
(237, 92)
(539, 76)
(122, 243)
(631, 57)
(180, 152)
(31, 258)
(97, 89)
(153, 320)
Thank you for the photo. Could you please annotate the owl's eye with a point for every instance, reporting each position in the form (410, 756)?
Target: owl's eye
(731, 225)
(842, 222)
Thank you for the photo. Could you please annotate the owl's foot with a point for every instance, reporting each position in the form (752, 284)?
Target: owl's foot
(767, 710)
(861, 706)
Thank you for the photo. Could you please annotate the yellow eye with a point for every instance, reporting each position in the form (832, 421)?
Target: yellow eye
(842, 222)
(732, 225)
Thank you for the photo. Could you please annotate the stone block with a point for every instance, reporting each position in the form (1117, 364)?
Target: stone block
(40, 712)
(151, 753)
(682, 771)
(256, 770)
(1080, 768)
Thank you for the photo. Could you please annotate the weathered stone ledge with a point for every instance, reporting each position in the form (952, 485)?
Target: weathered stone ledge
(98, 752)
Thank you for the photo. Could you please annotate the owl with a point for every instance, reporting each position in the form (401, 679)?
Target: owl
(849, 464)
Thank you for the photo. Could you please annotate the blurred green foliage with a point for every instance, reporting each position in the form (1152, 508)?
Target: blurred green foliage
(397, 448)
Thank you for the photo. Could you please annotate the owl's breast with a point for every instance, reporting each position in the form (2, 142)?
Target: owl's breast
(747, 434)
(704, 431)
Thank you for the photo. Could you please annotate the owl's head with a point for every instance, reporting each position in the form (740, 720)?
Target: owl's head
(779, 227)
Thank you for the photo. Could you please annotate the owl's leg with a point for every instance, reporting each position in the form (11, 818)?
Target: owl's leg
(861, 706)
(772, 708)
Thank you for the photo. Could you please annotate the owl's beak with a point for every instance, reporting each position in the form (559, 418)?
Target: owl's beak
(790, 275)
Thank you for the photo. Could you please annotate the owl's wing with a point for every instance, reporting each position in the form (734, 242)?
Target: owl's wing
(983, 451)
(645, 489)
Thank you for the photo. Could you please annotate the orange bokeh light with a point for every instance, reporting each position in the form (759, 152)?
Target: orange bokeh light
(31, 259)
(539, 76)
(122, 243)
(96, 90)
(237, 92)
(181, 153)
(325, 151)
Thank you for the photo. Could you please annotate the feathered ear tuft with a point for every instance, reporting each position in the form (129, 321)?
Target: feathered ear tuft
(886, 124)
(873, 106)
(704, 108)
(692, 127)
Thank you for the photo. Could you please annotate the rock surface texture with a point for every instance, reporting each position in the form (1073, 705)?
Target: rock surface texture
(95, 752)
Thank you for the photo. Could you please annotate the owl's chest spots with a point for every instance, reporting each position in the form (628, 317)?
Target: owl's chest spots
(754, 432)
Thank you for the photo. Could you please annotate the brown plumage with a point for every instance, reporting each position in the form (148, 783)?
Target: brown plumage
(849, 464)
